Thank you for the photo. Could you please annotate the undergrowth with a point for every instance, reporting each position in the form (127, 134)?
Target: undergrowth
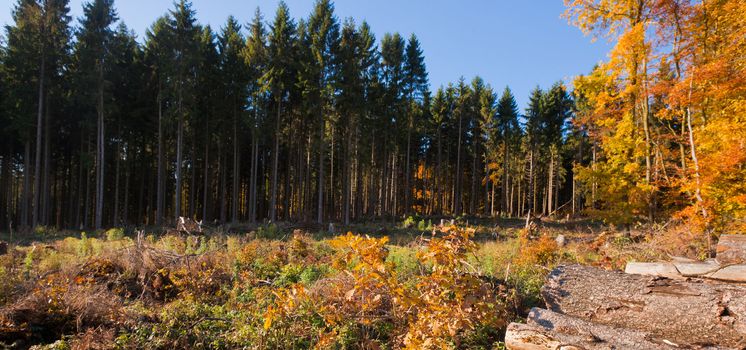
(442, 287)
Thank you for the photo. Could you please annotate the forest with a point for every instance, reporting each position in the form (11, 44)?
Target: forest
(314, 120)
(279, 134)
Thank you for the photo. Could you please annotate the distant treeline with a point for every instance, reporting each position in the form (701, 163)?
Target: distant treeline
(311, 120)
(316, 120)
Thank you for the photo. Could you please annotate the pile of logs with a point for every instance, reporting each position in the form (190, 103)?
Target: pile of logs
(730, 264)
(683, 304)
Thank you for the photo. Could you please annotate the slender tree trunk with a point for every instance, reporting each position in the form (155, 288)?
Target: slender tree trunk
(492, 200)
(39, 128)
(26, 191)
(359, 193)
(86, 207)
(487, 184)
(160, 194)
(275, 163)
(346, 177)
(407, 175)
(593, 184)
(550, 182)
(125, 214)
(646, 128)
(100, 143)
(206, 187)
(531, 183)
(322, 148)
(115, 221)
(78, 197)
(695, 161)
(179, 157)
(236, 168)
(45, 189)
(439, 175)
(222, 173)
(473, 194)
(457, 184)
(506, 170)
(254, 166)
(193, 193)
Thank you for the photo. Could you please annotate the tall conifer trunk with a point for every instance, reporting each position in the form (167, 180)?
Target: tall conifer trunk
(39, 128)
(275, 163)
(100, 142)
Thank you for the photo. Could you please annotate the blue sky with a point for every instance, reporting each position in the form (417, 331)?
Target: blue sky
(521, 43)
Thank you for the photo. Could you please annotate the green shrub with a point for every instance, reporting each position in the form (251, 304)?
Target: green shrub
(269, 231)
(404, 259)
(114, 234)
(313, 273)
(45, 231)
(28, 263)
(425, 226)
(289, 275)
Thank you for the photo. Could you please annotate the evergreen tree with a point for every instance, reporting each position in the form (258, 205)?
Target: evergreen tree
(184, 61)
(255, 57)
(415, 86)
(491, 136)
(210, 120)
(234, 75)
(38, 44)
(126, 112)
(157, 58)
(323, 32)
(277, 80)
(507, 128)
(95, 63)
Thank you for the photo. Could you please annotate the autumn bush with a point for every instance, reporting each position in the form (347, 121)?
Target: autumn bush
(370, 304)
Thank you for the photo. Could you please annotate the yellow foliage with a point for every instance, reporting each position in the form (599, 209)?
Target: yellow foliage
(431, 313)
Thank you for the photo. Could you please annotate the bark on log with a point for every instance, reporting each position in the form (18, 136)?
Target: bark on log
(547, 330)
(731, 249)
(695, 313)
(682, 271)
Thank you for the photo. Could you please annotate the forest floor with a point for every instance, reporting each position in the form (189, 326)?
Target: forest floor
(285, 286)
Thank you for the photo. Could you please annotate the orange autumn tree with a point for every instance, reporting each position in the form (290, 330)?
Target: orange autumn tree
(617, 109)
(666, 112)
(711, 93)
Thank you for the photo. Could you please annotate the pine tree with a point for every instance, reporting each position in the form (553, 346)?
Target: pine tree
(94, 51)
(125, 81)
(415, 86)
(507, 127)
(488, 123)
(37, 45)
(255, 57)
(158, 57)
(234, 74)
(323, 32)
(277, 80)
(185, 59)
(392, 79)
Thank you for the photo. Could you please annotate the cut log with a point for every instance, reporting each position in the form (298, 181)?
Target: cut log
(697, 313)
(653, 269)
(547, 330)
(731, 249)
(733, 273)
(708, 269)
(693, 269)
